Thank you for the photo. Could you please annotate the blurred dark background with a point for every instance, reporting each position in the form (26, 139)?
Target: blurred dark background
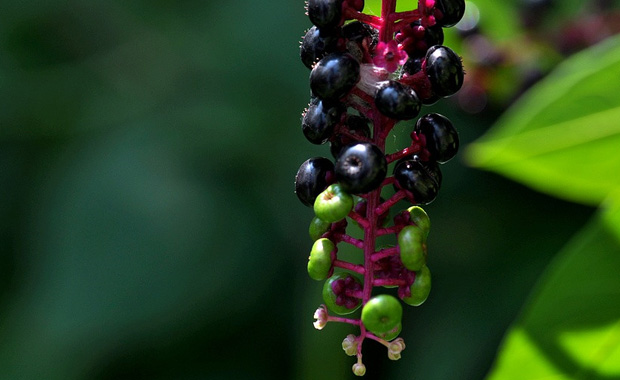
(148, 225)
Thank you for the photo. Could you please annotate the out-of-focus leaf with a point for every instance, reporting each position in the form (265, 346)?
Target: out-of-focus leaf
(562, 137)
(571, 327)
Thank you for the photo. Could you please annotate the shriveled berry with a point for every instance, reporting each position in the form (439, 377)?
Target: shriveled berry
(422, 179)
(397, 101)
(360, 168)
(354, 126)
(319, 121)
(333, 204)
(449, 12)
(421, 287)
(411, 242)
(317, 43)
(334, 76)
(317, 228)
(442, 139)
(335, 294)
(320, 260)
(444, 70)
(313, 176)
(325, 13)
(382, 313)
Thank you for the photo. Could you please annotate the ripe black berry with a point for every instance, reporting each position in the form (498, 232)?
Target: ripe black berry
(360, 168)
(316, 44)
(355, 125)
(313, 176)
(319, 121)
(397, 101)
(422, 179)
(442, 139)
(449, 12)
(334, 76)
(325, 13)
(444, 70)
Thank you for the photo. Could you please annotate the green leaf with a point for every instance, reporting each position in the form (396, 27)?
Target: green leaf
(571, 327)
(562, 137)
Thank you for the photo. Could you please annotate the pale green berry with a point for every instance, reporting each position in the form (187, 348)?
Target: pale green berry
(333, 204)
(317, 228)
(412, 246)
(420, 288)
(382, 314)
(420, 218)
(320, 260)
(359, 369)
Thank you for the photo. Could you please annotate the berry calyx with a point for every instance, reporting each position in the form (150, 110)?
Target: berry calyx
(313, 176)
(334, 76)
(338, 293)
(442, 139)
(333, 204)
(397, 101)
(320, 260)
(382, 313)
(360, 168)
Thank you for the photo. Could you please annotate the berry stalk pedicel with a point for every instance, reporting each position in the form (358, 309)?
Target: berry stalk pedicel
(368, 73)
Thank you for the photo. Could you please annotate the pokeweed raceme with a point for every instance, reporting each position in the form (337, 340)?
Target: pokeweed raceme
(367, 74)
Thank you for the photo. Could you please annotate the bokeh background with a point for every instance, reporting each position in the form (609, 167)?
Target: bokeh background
(148, 225)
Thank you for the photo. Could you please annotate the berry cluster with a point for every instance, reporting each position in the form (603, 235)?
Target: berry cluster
(368, 73)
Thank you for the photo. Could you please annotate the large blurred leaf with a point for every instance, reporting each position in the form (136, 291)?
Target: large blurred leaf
(571, 329)
(563, 136)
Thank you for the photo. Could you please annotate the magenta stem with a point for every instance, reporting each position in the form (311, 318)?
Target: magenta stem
(350, 240)
(398, 196)
(408, 151)
(385, 252)
(359, 219)
(388, 230)
(349, 266)
(355, 322)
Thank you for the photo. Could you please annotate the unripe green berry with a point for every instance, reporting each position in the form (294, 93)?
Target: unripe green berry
(333, 204)
(420, 288)
(320, 260)
(332, 300)
(411, 244)
(382, 314)
(317, 228)
(359, 369)
(420, 218)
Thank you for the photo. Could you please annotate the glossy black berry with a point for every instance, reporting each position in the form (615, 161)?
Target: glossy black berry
(444, 70)
(442, 139)
(313, 176)
(325, 13)
(318, 43)
(397, 101)
(449, 12)
(334, 76)
(354, 126)
(360, 168)
(319, 121)
(422, 179)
